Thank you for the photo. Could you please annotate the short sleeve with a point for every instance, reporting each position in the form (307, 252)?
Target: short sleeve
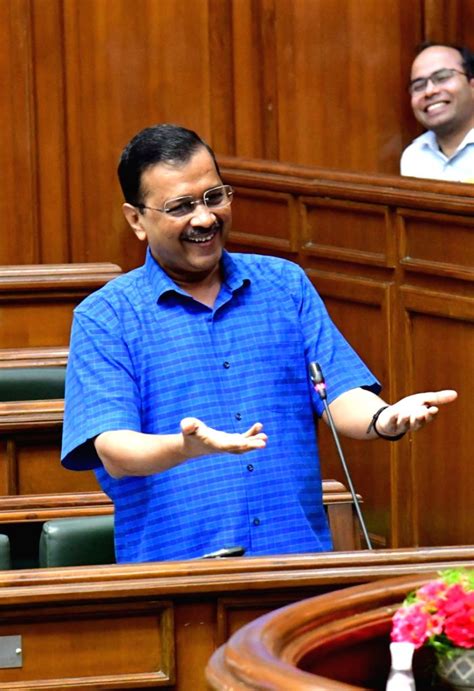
(101, 390)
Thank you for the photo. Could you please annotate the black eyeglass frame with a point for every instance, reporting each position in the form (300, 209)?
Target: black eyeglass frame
(422, 82)
(188, 199)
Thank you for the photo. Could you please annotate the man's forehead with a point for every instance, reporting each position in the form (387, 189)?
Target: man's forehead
(175, 177)
(435, 58)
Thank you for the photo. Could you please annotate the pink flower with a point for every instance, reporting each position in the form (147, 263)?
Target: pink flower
(433, 593)
(411, 624)
(440, 613)
(459, 624)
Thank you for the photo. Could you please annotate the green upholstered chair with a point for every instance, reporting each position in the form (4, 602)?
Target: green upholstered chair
(77, 541)
(31, 383)
(5, 557)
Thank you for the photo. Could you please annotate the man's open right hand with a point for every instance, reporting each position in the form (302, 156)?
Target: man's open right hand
(199, 439)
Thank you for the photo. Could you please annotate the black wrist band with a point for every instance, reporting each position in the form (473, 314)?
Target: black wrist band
(373, 426)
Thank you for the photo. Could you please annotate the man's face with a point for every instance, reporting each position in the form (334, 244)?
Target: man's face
(188, 248)
(446, 108)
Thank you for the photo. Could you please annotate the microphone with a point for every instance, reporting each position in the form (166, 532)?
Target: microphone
(224, 552)
(317, 378)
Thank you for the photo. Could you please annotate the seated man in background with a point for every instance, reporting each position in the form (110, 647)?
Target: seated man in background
(442, 98)
(176, 367)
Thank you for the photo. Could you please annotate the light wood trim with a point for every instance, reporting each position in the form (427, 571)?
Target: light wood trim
(27, 415)
(53, 356)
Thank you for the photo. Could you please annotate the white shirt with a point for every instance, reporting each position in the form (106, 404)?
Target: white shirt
(424, 159)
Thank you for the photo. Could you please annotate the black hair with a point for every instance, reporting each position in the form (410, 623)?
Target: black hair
(467, 56)
(157, 144)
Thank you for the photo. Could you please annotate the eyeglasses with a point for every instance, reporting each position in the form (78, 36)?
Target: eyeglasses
(178, 207)
(436, 78)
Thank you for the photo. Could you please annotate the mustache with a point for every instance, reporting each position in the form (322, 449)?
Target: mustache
(198, 231)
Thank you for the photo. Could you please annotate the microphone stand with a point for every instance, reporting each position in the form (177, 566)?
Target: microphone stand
(316, 375)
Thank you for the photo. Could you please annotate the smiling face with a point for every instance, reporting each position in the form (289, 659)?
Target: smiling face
(188, 248)
(446, 108)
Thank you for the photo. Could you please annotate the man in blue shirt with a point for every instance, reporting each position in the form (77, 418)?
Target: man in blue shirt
(177, 368)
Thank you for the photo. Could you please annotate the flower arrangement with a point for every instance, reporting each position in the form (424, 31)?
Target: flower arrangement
(439, 614)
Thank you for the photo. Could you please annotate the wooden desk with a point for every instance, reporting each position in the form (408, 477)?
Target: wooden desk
(333, 641)
(156, 625)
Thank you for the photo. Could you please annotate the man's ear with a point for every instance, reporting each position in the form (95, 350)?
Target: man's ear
(134, 218)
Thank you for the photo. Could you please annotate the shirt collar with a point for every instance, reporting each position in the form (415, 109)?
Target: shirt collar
(234, 276)
(428, 140)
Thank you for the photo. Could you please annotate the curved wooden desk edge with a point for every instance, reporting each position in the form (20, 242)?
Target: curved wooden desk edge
(265, 653)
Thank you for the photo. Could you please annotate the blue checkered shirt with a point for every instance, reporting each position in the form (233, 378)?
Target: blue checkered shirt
(144, 354)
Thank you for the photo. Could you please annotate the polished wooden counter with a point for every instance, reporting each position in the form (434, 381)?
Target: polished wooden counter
(157, 625)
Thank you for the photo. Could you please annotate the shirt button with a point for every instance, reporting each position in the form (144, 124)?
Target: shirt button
(256, 521)
(238, 416)
(226, 364)
(250, 467)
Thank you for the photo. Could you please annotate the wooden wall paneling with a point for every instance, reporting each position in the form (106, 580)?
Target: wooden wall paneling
(114, 647)
(221, 76)
(130, 80)
(441, 20)
(264, 220)
(353, 303)
(37, 301)
(194, 623)
(347, 70)
(288, 45)
(19, 240)
(465, 22)
(39, 469)
(270, 59)
(233, 613)
(51, 168)
(8, 464)
(256, 60)
(108, 72)
(351, 231)
(30, 432)
(52, 317)
(425, 247)
(313, 83)
(177, 42)
(249, 78)
(440, 336)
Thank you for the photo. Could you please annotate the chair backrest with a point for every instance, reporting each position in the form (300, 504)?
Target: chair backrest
(343, 522)
(31, 374)
(77, 541)
(5, 556)
(89, 540)
(32, 383)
